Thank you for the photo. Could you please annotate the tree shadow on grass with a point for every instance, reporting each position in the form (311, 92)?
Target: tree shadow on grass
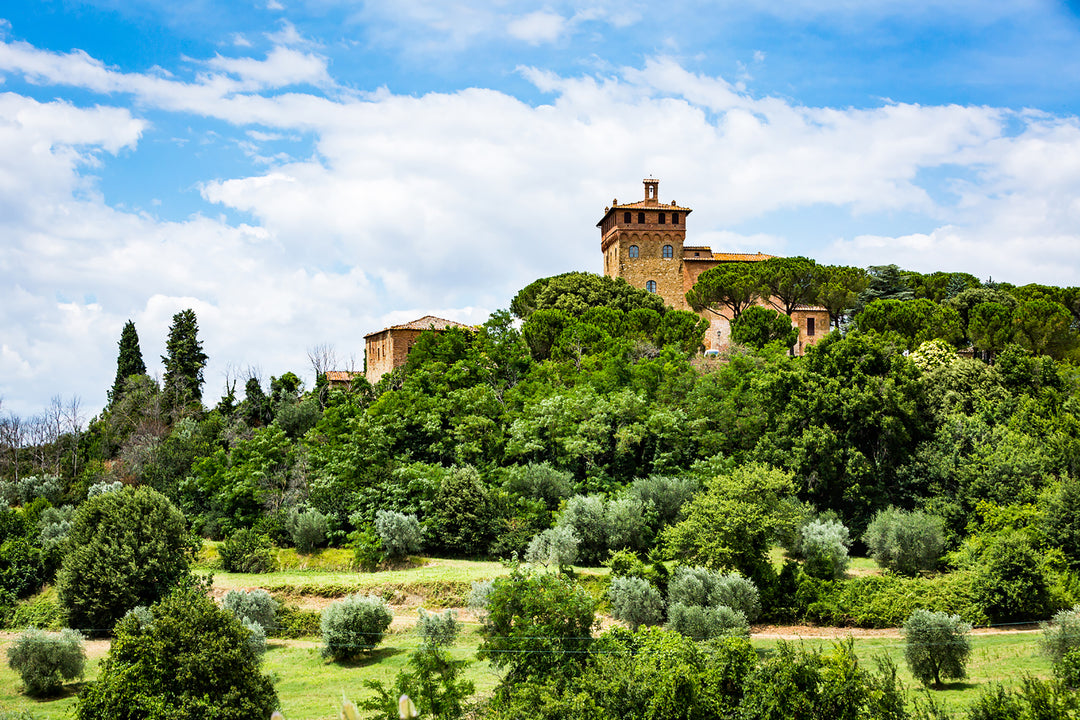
(373, 657)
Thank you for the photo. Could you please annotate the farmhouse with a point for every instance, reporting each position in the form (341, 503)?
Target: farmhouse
(389, 348)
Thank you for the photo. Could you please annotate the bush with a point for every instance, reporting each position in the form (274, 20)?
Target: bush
(1010, 582)
(824, 546)
(667, 495)
(257, 637)
(292, 622)
(557, 546)
(44, 660)
(702, 587)
(1067, 669)
(707, 623)
(103, 487)
(247, 551)
(184, 657)
(585, 517)
(353, 625)
(936, 646)
(1062, 634)
(367, 549)
(38, 612)
(905, 542)
(27, 489)
(307, 529)
(537, 624)
(255, 605)
(125, 549)
(399, 534)
(636, 602)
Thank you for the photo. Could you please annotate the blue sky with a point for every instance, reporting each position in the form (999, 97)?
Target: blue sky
(305, 172)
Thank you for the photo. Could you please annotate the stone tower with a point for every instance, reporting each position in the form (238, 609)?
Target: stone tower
(642, 242)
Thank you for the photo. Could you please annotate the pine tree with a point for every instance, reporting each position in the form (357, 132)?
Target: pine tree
(184, 362)
(128, 363)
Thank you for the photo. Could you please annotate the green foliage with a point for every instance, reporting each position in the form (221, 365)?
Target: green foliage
(399, 534)
(758, 326)
(905, 542)
(636, 602)
(184, 362)
(247, 551)
(537, 625)
(367, 549)
(1034, 700)
(184, 658)
(129, 361)
(936, 646)
(1067, 669)
(292, 622)
(576, 292)
(307, 528)
(702, 587)
(28, 488)
(353, 626)
(732, 523)
(463, 518)
(602, 525)
(255, 605)
(1059, 511)
(911, 322)
(707, 623)
(1062, 634)
(44, 660)
(1011, 582)
(556, 547)
(433, 681)
(39, 612)
(824, 547)
(727, 287)
(126, 548)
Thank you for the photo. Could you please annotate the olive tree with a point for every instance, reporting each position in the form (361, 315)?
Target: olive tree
(937, 646)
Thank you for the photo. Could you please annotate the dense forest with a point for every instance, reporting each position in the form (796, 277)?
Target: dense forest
(936, 427)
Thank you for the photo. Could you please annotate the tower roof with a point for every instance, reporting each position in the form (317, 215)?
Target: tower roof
(651, 202)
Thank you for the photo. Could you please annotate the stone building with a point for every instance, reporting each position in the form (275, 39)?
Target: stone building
(643, 242)
(389, 348)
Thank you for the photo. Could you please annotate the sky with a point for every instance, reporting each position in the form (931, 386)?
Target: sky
(304, 172)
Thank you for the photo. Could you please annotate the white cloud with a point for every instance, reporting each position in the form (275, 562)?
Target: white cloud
(450, 202)
(538, 27)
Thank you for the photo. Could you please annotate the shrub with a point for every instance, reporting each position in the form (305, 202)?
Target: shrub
(44, 660)
(104, 486)
(1062, 634)
(353, 625)
(537, 624)
(556, 546)
(585, 517)
(126, 548)
(400, 534)
(292, 622)
(905, 542)
(184, 657)
(636, 602)
(625, 524)
(936, 646)
(706, 623)
(38, 612)
(667, 495)
(824, 545)
(367, 549)
(1067, 669)
(307, 529)
(1010, 582)
(255, 605)
(27, 489)
(247, 551)
(257, 637)
(702, 587)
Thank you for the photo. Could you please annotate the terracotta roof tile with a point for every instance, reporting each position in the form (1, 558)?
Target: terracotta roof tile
(428, 322)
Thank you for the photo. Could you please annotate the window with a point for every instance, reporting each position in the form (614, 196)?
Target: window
(810, 326)
(641, 218)
(651, 286)
(626, 217)
(668, 251)
(674, 218)
(633, 251)
(663, 218)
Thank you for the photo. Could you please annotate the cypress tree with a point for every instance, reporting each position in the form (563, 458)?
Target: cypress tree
(129, 362)
(184, 362)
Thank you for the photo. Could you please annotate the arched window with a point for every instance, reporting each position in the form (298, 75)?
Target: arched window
(663, 218)
(651, 286)
(633, 251)
(674, 218)
(641, 218)
(626, 217)
(668, 251)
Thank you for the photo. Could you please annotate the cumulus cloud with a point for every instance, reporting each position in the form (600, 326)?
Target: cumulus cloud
(448, 203)
(538, 27)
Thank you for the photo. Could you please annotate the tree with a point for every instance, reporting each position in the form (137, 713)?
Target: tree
(1010, 582)
(184, 362)
(936, 646)
(758, 326)
(44, 660)
(1044, 327)
(793, 281)
(905, 542)
(354, 625)
(184, 658)
(990, 327)
(537, 624)
(126, 548)
(838, 290)
(730, 286)
(129, 362)
(732, 523)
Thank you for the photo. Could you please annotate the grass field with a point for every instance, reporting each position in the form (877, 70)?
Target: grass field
(311, 688)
